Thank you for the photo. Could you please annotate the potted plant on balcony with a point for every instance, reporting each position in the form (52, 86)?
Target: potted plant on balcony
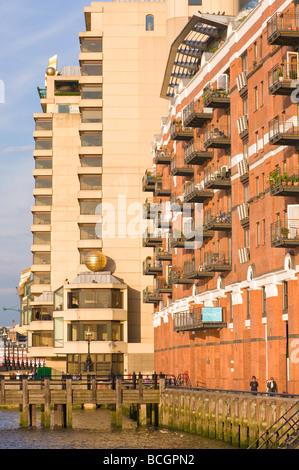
(274, 178)
(284, 178)
(284, 231)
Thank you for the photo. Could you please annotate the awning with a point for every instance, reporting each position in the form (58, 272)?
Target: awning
(25, 277)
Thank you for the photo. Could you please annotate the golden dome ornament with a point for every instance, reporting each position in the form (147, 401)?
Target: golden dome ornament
(95, 261)
(50, 71)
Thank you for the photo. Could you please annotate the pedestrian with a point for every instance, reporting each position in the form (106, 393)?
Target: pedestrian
(254, 384)
(272, 386)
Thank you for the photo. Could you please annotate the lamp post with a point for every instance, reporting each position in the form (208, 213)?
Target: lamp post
(4, 337)
(13, 343)
(8, 354)
(88, 366)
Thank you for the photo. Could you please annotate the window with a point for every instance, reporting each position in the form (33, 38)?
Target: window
(261, 47)
(90, 206)
(43, 144)
(42, 218)
(285, 297)
(88, 182)
(41, 278)
(43, 125)
(67, 109)
(91, 161)
(230, 307)
(90, 92)
(87, 298)
(43, 163)
(42, 339)
(88, 232)
(256, 142)
(264, 302)
(262, 93)
(244, 63)
(149, 23)
(43, 182)
(91, 45)
(91, 68)
(256, 100)
(64, 88)
(41, 238)
(58, 299)
(257, 186)
(257, 234)
(245, 107)
(195, 2)
(246, 238)
(255, 52)
(91, 139)
(264, 231)
(263, 138)
(41, 258)
(246, 192)
(58, 332)
(248, 304)
(92, 115)
(43, 200)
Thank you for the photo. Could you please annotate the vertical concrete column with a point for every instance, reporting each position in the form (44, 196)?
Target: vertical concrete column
(69, 403)
(24, 407)
(46, 410)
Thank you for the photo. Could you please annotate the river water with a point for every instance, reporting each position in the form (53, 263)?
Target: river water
(92, 430)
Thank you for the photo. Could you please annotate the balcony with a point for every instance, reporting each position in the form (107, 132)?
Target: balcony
(218, 262)
(196, 193)
(149, 181)
(178, 132)
(242, 124)
(150, 296)
(152, 239)
(151, 267)
(218, 178)
(217, 94)
(163, 255)
(199, 318)
(178, 276)
(193, 270)
(284, 183)
(179, 168)
(217, 137)
(196, 154)
(177, 239)
(163, 187)
(242, 83)
(285, 233)
(194, 116)
(219, 222)
(162, 157)
(190, 231)
(42, 92)
(282, 78)
(283, 130)
(163, 286)
(151, 207)
(243, 211)
(283, 29)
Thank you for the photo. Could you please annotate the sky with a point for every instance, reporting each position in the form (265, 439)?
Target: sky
(31, 31)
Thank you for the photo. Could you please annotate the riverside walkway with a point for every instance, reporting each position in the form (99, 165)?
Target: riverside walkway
(61, 394)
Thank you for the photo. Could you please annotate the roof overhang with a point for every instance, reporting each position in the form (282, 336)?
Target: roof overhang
(187, 49)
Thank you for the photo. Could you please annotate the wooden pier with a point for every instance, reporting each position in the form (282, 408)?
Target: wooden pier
(62, 394)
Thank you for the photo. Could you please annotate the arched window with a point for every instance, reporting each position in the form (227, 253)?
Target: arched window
(149, 23)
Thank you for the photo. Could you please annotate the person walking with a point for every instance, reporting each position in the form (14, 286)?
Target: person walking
(272, 386)
(254, 384)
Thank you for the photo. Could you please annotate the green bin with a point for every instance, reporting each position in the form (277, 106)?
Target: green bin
(44, 372)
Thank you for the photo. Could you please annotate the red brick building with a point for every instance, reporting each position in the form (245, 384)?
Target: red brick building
(225, 276)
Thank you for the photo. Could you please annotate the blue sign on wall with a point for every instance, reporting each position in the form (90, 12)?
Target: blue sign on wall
(211, 314)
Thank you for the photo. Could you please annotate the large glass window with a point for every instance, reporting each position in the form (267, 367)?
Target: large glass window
(58, 332)
(90, 206)
(41, 238)
(66, 88)
(88, 232)
(92, 115)
(42, 218)
(91, 45)
(91, 161)
(43, 144)
(91, 68)
(91, 139)
(41, 258)
(58, 299)
(90, 182)
(43, 163)
(149, 23)
(42, 339)
(41, 278)
(100, 331)
(67, 109)
(87, 298)
(92, 92)
(195, 2)
(42, 313)
(43, 200)
(43, 125)
(43, 182)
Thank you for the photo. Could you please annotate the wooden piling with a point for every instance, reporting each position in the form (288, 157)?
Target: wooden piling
(69, 403)
(24, 406)
(46, 409)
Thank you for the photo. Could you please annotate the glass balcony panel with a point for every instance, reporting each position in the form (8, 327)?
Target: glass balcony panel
(43, 182)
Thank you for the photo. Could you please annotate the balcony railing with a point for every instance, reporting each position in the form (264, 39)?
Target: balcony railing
(199, 318)
(196, 154)
(217, 178)
(178, 276)
(151, 266)
(285, 233)
(283, 130)
(164, 255)
(217, 262)
(152, 239)
(178, 132)
(196, 270)
(217, 94)
(284, 183)
(196, 193)
(220, 221)
(217, 136)
(282, 78)
(179, 168)
(163, 285)
(150, 296)
(163, 187)
(194, 116)
(283, 29)
(162, 157)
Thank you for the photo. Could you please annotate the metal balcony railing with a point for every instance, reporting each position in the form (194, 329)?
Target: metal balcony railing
(196, 153)
(284, 130)
(282, 78)
(285, 233)
(284, 183)
(217, 94)
(194, 116)
(283, 28)
(197, 318)
(217, 136)
(218, 261)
